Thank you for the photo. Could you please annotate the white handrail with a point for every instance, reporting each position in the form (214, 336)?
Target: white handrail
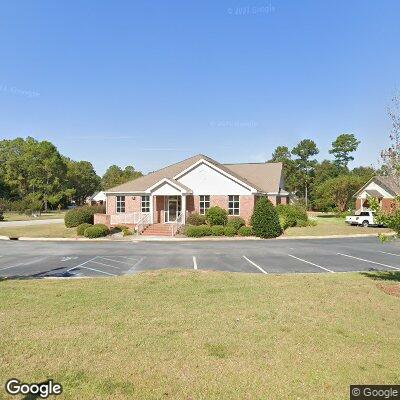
(177, 224)
(143, 223)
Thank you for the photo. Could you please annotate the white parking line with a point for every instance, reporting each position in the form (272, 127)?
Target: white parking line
(194, 263)
(391, 254)
(110, 259)
(107, 265)
(80, 265)
(98, 270)
(12, 266)
(132, 269)
(369, 261)
(309, 262)
(255, 265)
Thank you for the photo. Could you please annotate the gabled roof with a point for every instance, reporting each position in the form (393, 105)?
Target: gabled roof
(390, 183)
(267, 176)
(263, 177)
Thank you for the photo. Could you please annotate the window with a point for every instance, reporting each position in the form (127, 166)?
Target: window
(120, 204)
(233, 206)
(204, 204)
(145, 204)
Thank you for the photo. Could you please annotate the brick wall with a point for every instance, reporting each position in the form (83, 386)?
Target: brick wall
(388, 204)
(132, 204)
(102, 219)
(246, 207)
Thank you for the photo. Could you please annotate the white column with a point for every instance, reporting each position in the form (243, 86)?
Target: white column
(183, 209)
(151, 209)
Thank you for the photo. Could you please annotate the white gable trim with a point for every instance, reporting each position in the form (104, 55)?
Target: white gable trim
(212, 166)
(168, 181)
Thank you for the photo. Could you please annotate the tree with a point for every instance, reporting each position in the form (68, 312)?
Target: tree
(115, 176)
(365, 173)
(265, 220)
(304, 151)
(391, 156)
(342, 147)
(82, 177)
(282, 154)
(337, 193)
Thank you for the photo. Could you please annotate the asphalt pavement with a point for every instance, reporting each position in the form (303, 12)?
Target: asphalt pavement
(19, 260)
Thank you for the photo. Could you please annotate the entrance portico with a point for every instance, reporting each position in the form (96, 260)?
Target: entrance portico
(168, 202)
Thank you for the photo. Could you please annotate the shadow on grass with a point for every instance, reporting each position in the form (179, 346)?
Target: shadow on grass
(393, 276)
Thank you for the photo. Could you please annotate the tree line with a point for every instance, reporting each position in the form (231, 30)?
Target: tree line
(324, 186)
(34, 176)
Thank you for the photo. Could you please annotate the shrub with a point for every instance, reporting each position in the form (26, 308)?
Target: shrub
(196, 219)
(216, 216)
(198, 231)
(80, 230)
(218, 230)
(291, 215)
(265, 219)
(80, 215)
(95, 231)
(230, 231)
(245, 231)
(1, 216)
(236, 223)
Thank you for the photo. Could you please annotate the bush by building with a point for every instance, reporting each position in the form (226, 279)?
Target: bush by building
(218, 230)
(236, 222)
(81, 215)
(196, 219)
(265, 220)
(80, 230)
(198, 231)
(292, 215)
(216, 216)
(245, 231)
(96, 231)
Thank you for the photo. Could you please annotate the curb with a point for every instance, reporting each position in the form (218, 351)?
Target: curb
(137, 239)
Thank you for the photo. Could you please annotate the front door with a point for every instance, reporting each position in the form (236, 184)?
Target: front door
(172, 210)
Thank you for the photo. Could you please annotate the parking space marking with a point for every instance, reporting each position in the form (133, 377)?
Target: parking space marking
(80, 265)
(391, 254)
(309, 262)
(23, 263)
(98, 270)
(110, 259)
(107, 265)
(132, 269)
(369, 261)
(255, 265)
(12, 266)
(194, 263)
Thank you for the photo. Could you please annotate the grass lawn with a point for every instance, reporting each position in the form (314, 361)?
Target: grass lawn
(202, 335)
(330, 225)
(12, 216)
(45, 230)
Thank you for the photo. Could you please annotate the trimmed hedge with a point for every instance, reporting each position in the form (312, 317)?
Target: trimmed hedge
(265, 219)
(292, 215)
(236, 223)
(95, 231)
(198, 231)
(245, 231)
(82, 215)
(218, 230)
(196, 219)
(80, 230)
(216, 216)
(230, 231)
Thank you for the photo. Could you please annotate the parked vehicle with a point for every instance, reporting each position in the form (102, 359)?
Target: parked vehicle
(364, 218)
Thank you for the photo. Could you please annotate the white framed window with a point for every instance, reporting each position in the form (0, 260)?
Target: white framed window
(233, 205)
(145, 206)
(120, 204)
(204, 203)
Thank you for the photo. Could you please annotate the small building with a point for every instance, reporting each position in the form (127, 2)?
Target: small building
(166, 197)
(98, 198)
(383, 188)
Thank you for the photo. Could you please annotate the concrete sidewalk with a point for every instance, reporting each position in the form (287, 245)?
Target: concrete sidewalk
(7, 224)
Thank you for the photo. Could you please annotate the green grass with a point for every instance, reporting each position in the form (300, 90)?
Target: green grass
(45, 230)
(12, 216)
(332, 226)
(201, 335)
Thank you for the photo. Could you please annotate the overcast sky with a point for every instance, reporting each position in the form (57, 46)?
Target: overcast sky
(150, 83)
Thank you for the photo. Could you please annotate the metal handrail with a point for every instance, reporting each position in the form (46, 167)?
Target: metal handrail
(143, 223)
(177, 224)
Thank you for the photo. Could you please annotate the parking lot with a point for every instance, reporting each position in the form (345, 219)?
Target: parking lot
(19, 260)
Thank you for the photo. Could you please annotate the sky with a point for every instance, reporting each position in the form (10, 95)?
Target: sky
(150, 83)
